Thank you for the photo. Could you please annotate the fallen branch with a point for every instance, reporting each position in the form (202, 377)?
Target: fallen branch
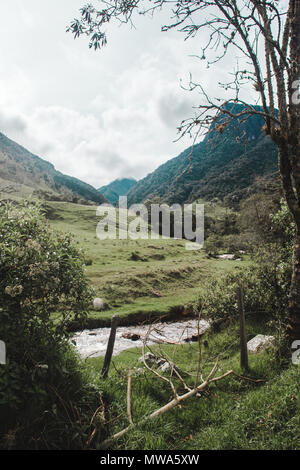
(169, 381)
(249, 379)
(175, 402)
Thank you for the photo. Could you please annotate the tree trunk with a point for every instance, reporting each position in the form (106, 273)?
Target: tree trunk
(294, 306)
(294, 141)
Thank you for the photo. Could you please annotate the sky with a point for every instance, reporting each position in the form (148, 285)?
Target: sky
(102, 115)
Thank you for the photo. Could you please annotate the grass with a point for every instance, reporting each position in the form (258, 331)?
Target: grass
(232, 414)
(137, 278)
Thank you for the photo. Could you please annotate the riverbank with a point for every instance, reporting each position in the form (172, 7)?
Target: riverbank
(259, 412)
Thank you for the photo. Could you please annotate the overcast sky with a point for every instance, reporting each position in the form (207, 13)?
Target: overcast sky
(95, 115)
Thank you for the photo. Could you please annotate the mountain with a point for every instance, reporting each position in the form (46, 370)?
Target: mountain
(119, 187)
(22, 174)
(223, 165)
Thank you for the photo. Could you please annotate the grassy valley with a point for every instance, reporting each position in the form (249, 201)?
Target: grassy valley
(139, 278)
(254, 409)
(259, 412)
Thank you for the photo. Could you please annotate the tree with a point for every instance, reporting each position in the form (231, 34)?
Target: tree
(267, 36)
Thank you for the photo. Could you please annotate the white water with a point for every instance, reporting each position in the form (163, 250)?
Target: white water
(93, 343)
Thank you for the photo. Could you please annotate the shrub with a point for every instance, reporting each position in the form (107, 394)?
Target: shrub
(266, 283)
(213, 244)
(266, 289)
(42, 288)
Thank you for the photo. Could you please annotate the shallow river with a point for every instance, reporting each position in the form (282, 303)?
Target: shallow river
(92, 343)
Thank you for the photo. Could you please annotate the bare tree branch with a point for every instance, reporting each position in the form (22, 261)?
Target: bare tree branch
(175, 402)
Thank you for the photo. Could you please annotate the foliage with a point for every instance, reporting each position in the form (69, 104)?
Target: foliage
(284, 222)
(260, 219)
(41, 271)
(266, 283)
(266, 290)
(221, 233)
(213, 244)
(42, 288)
(117, 188)
(255, 219)
(220, 166)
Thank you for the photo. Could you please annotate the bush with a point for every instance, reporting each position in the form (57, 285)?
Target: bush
(266, 283)
(266, 289)
(213, 245)
(42, 288)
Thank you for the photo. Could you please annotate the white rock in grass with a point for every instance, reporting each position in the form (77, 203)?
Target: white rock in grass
(98, 304)
(165, 367)
(259, 342)
(226, 256)
(149, 358)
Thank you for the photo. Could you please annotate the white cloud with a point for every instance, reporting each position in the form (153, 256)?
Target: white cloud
(96, 116)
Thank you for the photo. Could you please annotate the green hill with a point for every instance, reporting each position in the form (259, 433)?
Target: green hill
(222, 165)
(117, 188)
(23, 174)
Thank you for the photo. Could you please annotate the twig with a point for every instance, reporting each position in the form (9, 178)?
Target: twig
(128, 397)
(248, 378)
(89, 441)
(169, 381)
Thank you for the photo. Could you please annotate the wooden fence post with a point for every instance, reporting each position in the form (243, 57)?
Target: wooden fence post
(243, 337)
(110, 346)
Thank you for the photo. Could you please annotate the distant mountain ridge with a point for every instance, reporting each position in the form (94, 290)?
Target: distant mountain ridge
(23, 173)
(117, 188)
(224, 165)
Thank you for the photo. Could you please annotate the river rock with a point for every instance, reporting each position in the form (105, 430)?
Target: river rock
(131, 335)
(259, 342)
(162, 364)
(98, 304)
(193, 338)
(151, 359)
(226, 256)
(167, 367)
